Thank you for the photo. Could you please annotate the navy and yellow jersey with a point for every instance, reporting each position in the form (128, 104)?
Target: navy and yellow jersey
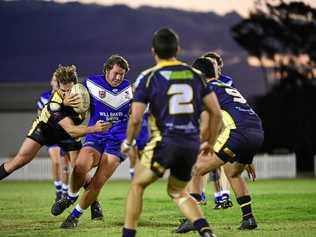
(174, 92)
(235, 110)
(53, 112)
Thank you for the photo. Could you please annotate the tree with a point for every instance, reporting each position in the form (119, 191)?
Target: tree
(285, 34)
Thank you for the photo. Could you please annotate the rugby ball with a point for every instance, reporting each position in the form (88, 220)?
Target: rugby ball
(84, 98)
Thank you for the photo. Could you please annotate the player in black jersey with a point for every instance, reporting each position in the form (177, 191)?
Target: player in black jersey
(176, 94)
(240, 138)
(56, 124)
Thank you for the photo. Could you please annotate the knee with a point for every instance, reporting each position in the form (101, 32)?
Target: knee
(174, 193)
(81, 168)
(232, 172)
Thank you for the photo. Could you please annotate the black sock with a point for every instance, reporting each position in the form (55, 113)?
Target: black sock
(196, 196)
(3, 172)
(245, 205)
(128, 232)
(202, 226)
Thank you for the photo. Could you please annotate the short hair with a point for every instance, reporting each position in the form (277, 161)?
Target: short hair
(215, 56)
(207, 66)
(66, 74)
(115, 60)
(165, 43)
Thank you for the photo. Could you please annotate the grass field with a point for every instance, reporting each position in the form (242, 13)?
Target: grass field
(282, 208)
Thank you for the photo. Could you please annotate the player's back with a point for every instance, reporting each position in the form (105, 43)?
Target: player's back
(240, 114)
(174, 92)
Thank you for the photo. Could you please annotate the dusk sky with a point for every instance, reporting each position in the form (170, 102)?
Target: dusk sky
(219, 6)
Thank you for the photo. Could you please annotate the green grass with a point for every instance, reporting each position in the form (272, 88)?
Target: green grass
(282, 208)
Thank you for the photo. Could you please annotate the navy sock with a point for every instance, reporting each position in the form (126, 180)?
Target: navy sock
(128, 232)
(245, 205)
(196, 196)
(202, 226)
(3, 172)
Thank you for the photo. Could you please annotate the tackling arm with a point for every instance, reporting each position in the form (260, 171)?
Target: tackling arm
(76, 131)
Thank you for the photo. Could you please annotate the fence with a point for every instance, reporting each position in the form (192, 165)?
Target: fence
(267, 166)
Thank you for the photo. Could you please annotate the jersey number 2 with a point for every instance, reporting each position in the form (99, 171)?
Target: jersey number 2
(180, 101)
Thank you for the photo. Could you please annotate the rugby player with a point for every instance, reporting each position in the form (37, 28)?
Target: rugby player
(59, 164)
(220, 183)
(236, 146)
(57, 124)
(110, 97)
(175, 94)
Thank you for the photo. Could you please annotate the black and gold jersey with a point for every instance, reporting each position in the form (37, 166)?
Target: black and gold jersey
(46, 129)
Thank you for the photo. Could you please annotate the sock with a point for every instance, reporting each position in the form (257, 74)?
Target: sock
(201, 225)
(245, 205)
(203, 197)
(72, 196)
(128, 232)
(3, 172)
(65, 188)
(77, 211)
(131, 172)
(218, 197)
(196, 196)
(58, 186)
(225, 194)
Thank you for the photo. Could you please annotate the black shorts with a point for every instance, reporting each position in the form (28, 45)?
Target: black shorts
(46, 136)
(174, 153)
(239, 145)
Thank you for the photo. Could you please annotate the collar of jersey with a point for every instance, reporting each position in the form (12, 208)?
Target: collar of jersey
(172, 62)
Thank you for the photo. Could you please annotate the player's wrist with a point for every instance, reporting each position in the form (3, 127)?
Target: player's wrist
(127, 144)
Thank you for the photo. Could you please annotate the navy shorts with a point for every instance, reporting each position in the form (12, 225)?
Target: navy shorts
(175, 153)
(239, 145)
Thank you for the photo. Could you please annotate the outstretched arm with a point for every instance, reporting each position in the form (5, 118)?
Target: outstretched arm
(76, 131)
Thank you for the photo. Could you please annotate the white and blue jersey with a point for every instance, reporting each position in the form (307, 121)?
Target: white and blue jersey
(227, 80)
(110, 104)
(43, 100)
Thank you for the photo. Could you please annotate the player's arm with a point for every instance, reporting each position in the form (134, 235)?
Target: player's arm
(134, 124)
(215, 117)
(204, 126)
(76, 131)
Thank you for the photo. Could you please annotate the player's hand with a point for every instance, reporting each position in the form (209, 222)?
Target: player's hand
(205, 148)
(102, 126)
(72, 100)
(251, 171)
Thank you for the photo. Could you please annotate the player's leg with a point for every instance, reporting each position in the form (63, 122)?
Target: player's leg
(54, 153)
(27, 152)
(65, 161)
(106, 168)
(225, 189)
(239, 186)
(215, 177)
(188, 207)
(134, 204)
(195, 187)
(88, 157)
